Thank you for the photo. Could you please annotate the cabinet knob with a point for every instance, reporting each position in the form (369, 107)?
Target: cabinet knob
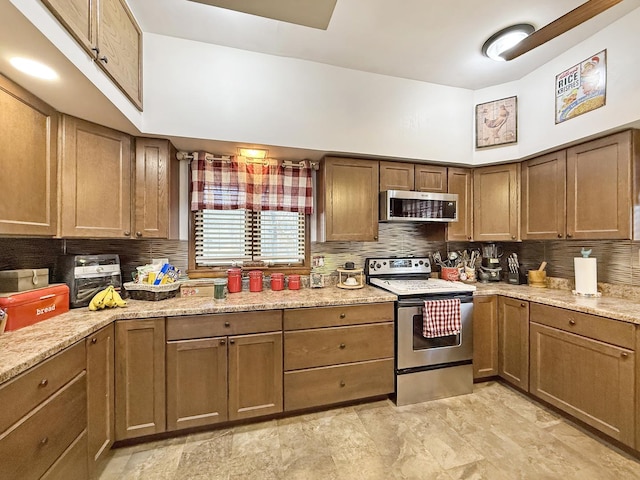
(569, 235)
(94, 340)
(222, 342)
(559, 235)
(572, 322)
(232, 341)
(138, 234)
(624, 354)
(44, 441)
(342, 384)
(469, 237)
(513, 237)
(127, 233)
(104, 59)
(343, 346)
(375, 237)
(342, 315)
(43, 383)
(523, 304)
(227, 324)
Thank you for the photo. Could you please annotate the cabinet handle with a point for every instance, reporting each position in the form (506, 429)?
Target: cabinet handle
(572, 322)
(97, 50)
(342, 346)
(232, 341)
(127, 233)
(44, 441)
(342, 315)
(104, 59)
(138, 234)
(569, 235)
(342, 384)
(94, 340)
(43, 383)
(222, 342)
(624, 354)
(227, 324)
(469, 237)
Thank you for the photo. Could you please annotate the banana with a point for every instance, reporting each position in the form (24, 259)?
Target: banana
(108, 298)
(97, 302)
(118, 299)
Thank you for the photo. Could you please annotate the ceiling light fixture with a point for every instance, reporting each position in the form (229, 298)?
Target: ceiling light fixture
(34, 68)
(253, 152)
(505, 39)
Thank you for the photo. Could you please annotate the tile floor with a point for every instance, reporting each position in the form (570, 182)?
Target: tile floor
(495, 433)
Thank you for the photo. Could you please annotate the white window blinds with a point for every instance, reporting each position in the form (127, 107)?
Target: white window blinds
(225, 237)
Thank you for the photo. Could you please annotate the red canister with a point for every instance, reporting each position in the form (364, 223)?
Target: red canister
(294, 282)
(234, 280)
(277, 281)
(255, 281)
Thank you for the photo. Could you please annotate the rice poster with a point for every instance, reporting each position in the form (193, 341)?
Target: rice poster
(581, 88)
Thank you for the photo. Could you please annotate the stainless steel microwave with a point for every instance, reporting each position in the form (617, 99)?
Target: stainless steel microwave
(403, 206)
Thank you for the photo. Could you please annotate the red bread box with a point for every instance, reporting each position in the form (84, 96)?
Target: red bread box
(33, 306)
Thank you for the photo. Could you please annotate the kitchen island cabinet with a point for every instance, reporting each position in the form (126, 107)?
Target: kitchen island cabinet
(496, 203)
(513, 341)
(485, 336)
(348, 200)
(460, 182)
(585, 365)
(96, 181)
(28, 162)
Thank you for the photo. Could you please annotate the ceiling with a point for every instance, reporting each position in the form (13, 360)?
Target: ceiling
(437, 42)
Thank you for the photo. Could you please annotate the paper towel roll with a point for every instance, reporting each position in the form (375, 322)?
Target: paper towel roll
(586, 273)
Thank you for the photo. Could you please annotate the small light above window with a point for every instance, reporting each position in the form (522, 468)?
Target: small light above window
(34, 68)
(505, 39)
(253, 152)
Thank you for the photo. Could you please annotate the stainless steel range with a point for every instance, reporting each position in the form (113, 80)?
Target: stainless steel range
(427, 368)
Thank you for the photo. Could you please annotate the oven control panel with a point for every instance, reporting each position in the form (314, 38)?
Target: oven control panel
(397, 265)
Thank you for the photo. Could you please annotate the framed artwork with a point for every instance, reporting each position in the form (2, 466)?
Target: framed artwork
(582, 88)
(497, 122)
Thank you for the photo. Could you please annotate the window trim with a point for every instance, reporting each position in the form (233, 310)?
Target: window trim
(195, 271)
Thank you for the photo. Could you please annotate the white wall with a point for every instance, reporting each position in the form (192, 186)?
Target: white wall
(199, 90)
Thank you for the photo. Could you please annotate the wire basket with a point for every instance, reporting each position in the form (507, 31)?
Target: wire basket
(152, 293)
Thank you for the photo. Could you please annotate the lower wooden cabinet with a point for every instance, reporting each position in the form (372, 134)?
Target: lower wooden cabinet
(513, 340)
(100, 394)
(589, 378)
(72, 464)
(485, 336)
(140, 378)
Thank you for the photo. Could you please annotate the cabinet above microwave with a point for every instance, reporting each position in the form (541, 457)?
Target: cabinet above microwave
(403, 206)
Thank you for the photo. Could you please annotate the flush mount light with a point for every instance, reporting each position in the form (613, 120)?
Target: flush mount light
(33, 68)
(253, 152)
(505, 39)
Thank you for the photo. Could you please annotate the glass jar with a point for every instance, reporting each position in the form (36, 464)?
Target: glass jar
(234, 280)
(294, 282)
(277, 281)
(255, 281)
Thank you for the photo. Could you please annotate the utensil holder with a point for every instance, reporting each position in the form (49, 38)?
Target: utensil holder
(450, 273)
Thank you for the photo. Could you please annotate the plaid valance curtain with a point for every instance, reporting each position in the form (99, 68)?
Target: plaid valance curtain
(235, 183)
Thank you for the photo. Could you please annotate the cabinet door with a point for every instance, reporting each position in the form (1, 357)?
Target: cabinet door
(396, 176)
(599, 188)
(255, 375)
(100, 394)
(96, 181)
(543, 197)
(157, 189)
(28, 149)
(78, 17)
(140, 378)
(196, 382)
(591, 380)
(348, 200)
(120, 44)
(460, 181)
(485, 336)
(496, 192)
(513, 348)
(431, 178)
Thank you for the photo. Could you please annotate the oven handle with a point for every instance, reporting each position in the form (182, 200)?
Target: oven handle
(419, 302)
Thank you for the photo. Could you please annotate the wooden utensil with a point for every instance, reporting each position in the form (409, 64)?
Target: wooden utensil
(542, 266)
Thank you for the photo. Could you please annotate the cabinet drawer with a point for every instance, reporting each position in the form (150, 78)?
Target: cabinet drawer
(33, 445)
(21, 394)
(203, 326)
(72, 464)
(303, 318)
(341, 383)
(331, 346)
(599, 328)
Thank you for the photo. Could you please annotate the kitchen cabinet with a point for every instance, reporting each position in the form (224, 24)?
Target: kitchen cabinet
(28, 150)
(223, 367)
(43, 417)
(460, 181)
(543, 183)
(337, 354)
(513, 341)
(411, 176)
(485, 336)
(348, 200)
(496, 203)
(599, 195)
(107, 30)
(585, 365)
(139, 377)
(96, 181)
(100, 394)
(157, 189)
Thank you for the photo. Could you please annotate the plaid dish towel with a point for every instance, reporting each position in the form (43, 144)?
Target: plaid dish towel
(441, 318)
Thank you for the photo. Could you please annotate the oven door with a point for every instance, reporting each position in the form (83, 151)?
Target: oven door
(416, 351)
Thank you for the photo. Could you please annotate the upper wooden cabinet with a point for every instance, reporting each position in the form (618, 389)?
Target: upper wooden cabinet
(460, 181)
(411, 176)
(348, 200)
(157, 189)
(496, 203)
(28, 149)
(110, 34)
(543, 197)
(95, 181)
